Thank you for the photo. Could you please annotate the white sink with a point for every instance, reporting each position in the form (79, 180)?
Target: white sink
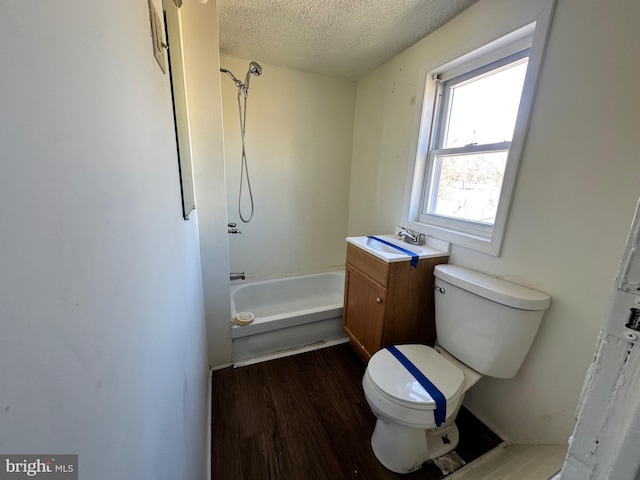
(432, 248)
(383, 247)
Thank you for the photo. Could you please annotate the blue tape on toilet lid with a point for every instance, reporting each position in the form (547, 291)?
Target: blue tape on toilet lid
(440, 413)
(394, 381)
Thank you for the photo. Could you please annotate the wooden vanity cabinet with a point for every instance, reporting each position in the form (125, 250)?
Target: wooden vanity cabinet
(387, 303)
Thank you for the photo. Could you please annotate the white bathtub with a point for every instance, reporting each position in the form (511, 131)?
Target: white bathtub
(290, 313)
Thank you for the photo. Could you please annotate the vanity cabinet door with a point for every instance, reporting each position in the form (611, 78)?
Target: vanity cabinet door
(364, 312)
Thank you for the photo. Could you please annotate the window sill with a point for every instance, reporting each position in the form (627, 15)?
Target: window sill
(490, 246)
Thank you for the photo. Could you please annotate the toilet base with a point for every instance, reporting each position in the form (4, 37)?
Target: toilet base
(404, 449)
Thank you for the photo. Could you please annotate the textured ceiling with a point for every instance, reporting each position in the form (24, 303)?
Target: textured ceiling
(340, 38)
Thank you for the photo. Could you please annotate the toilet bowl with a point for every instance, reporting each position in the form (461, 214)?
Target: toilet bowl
(406, 434)
(485, 326)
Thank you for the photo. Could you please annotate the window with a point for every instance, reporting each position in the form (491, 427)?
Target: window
(475, 114)
(474, 122)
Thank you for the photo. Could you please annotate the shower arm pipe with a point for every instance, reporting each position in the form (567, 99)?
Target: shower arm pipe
(238, 83)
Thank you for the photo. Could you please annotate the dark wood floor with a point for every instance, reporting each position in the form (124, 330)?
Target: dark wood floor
(305, 417)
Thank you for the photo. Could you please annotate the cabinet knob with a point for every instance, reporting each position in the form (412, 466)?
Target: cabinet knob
(378, 300)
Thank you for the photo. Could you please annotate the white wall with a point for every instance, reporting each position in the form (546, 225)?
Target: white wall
(202, 82)
(573, 203)
(298, 137)
(102, 333)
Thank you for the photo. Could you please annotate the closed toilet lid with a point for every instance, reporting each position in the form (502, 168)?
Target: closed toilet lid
(393, 380)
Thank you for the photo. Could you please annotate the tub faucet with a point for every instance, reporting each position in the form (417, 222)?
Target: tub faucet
(236, 276)
(232, 228)
(410, 236)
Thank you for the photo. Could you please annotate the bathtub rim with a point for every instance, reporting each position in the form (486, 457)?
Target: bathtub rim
(283, 320)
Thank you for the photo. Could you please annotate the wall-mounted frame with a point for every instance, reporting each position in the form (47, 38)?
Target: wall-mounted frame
(156, 36)
(180, 110)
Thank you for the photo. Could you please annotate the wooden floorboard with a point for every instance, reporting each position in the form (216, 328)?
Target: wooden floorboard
(305, 417)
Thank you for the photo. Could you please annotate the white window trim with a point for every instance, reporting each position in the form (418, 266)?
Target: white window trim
(535, 35)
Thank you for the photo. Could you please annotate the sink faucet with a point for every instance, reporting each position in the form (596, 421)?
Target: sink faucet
(410, 236)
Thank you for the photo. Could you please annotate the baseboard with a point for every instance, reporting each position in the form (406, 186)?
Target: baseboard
(289, 352)
(208, 456)
(220, 367)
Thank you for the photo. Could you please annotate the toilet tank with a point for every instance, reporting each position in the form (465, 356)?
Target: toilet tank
(487, 323)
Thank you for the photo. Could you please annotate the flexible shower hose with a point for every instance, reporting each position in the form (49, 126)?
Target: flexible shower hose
(244, 168)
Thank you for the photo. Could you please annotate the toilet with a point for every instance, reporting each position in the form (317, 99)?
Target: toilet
(484, 326)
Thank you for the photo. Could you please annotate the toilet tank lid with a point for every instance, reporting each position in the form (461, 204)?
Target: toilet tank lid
(492, 288)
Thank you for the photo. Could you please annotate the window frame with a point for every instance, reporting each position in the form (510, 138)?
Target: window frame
(475, 235)
(438, 134)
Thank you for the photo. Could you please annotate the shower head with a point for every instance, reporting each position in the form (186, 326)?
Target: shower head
(255, 69)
